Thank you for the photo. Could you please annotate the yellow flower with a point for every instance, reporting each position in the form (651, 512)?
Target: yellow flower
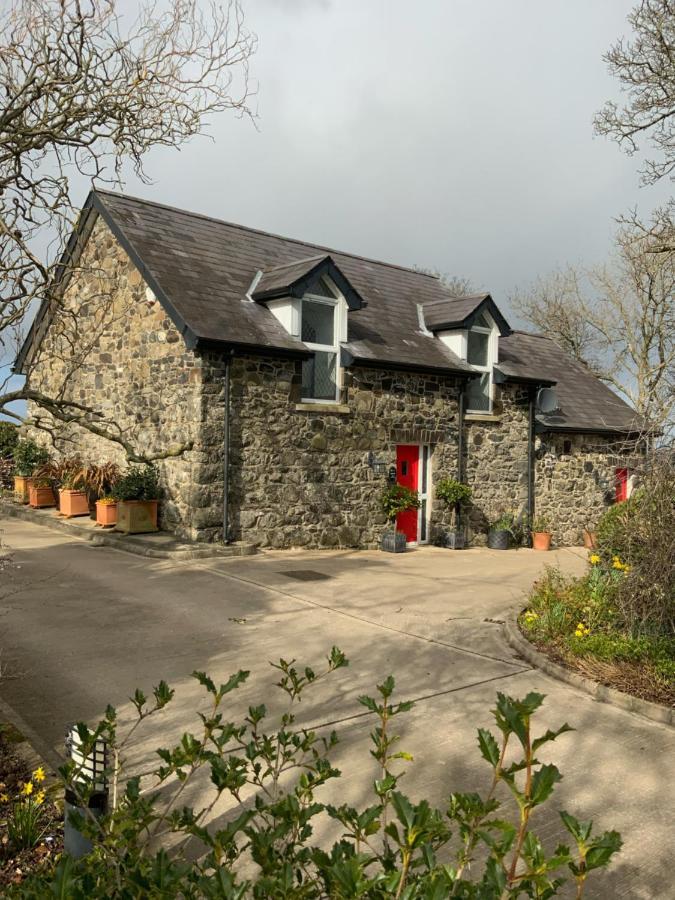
(39, 774)
(594, 559)
(617, 564)
(40, 797)
(4, 798)
(27, 789)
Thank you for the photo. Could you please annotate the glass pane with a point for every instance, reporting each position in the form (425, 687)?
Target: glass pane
(478, 394)
(318, 322)
(318, 377)
(425, 467)
(477, 353)
(423, 522)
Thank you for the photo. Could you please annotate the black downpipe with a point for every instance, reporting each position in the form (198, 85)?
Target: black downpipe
(460, 448)
(226, 452)
(530, 465)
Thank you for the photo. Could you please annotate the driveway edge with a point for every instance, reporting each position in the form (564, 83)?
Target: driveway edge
(600, 692)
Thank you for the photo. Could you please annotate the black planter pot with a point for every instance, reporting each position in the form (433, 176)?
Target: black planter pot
(455, 540)
(499, 540)
(393, 542)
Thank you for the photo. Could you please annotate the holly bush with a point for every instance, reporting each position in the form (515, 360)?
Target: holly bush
(476, 846)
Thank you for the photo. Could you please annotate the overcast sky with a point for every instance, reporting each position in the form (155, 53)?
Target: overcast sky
(451, 134)
(459, 138)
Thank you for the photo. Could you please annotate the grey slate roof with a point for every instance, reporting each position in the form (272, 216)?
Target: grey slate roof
(459, 312)
(586, 404)
(202, 269)
(205, 268)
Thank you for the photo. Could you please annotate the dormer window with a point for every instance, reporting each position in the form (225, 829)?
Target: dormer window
(319, 332)
(481, 353)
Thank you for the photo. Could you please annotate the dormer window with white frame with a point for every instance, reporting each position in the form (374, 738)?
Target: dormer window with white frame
(319, 331)
(481, 354)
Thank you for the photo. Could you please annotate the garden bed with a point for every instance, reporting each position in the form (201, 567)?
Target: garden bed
(16, 772)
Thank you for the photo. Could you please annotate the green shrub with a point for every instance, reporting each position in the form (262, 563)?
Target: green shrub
(396, 498)
(616, 529)
(138, 483)
(391, 847)
(28, 456)
(9, 437)
(453, 492)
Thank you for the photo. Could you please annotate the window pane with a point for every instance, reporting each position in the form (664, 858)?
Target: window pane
(477, 352)
(423, 522)
(478, 394)
(318, 322)
(318, 377)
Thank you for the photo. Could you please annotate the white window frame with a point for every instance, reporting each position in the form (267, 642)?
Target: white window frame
(493, 337)
(326, 348)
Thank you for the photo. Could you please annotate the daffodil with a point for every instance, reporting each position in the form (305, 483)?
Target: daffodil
(39, 775)
(594, 559)
(40, 797)
(4, 798)
(27, 789)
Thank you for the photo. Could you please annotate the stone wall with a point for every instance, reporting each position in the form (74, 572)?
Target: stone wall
(496, 451)
(111, 348)
(300, 476)
(575, 482)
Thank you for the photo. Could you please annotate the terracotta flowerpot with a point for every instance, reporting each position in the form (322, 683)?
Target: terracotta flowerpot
(590, 540)
(136, 516)
(106, 514)
(21, 488)
(541, 540)
(73, 503)
(41, 497)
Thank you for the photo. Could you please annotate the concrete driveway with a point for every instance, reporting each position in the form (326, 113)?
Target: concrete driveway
(82, 626)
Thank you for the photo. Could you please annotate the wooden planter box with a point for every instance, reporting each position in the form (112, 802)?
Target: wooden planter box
(106, 514)
(136, 516)
(41, 497)
(21, 488)
(541, 540)
(73, 503)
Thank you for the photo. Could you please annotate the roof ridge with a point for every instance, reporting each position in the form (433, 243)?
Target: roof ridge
(272, 234)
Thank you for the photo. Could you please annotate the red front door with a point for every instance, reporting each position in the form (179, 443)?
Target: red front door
(621, 483)
(407, 474)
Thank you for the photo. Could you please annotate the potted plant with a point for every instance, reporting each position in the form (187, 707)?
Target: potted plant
(72, 496)
(98, 481)
(455, 494)
(541, 534)
(106, 512)
(501, 532)
(28, 456)
(41, 493)
(137, 495)
(396, 499)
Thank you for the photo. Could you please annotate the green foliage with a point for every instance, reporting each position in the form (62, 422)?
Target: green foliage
(614, 528)
(9, 438)
(138, 483)
(453, 492)
(25, 825)
(28, 456)
(479, 846)
(396, 498)
(540, 524)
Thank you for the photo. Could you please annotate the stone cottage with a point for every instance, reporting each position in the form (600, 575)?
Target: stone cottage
(283, 384)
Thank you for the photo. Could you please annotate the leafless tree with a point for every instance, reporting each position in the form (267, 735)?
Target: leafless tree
(618, 319)
(645, 67)
(85, 94)
(456, 284)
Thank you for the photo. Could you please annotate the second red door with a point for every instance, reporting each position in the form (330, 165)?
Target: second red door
(407, 474)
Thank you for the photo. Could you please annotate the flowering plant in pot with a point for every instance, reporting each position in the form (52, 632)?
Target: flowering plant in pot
(395, 499)
(137, 495)
(28, 456)
(106, 512)
(456, 495)
(541, 534)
